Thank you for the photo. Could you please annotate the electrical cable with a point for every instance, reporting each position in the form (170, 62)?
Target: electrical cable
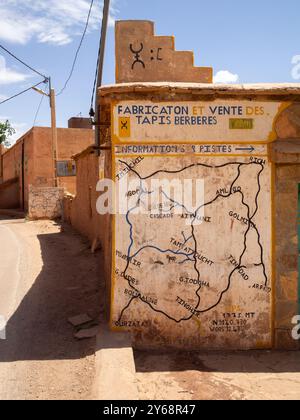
(22, 62)
(23, 91)
(40, 103)
(78, 50)
(100, 59)
(38, 110)
(92, 111)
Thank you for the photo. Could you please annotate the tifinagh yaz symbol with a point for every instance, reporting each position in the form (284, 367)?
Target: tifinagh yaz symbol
(124, 125)
(137, 56)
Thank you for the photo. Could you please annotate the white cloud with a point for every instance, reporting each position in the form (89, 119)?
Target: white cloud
(53, 21)
(8, 75)
(296, 68)
(2, 98)
(20, 128)
(225, 76)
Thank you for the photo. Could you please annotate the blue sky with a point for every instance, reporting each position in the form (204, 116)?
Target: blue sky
(249, 41)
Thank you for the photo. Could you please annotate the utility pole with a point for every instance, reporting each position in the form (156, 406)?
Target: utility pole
(100, 72)
(51, 97)
(54, 135)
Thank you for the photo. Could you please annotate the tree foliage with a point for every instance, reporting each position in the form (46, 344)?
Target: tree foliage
(6, 131)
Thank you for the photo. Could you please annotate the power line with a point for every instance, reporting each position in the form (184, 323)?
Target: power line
(106, 5)
(23, 91)
(78, 49)
(38, 110)
(92, 112)
(22, 62)
(101, 52)
(41, 101)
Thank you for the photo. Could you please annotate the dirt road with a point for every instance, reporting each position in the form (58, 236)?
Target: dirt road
(46, 277)
(253, 375)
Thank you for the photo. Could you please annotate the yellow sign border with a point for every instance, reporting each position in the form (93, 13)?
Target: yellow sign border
(259, 346)
(271, 137)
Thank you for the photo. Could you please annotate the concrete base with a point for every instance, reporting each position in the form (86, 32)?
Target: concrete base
(115, 367)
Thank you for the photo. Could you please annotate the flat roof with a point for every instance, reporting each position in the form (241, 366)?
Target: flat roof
(204, 88)
(36, 128)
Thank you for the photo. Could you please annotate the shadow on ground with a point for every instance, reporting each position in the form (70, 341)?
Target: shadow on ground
(68, 284)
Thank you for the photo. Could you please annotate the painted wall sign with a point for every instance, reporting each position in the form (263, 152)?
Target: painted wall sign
(194, 150)
(201, 277)
(195, 122)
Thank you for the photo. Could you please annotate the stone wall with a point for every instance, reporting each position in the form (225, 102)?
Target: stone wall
(45, 202)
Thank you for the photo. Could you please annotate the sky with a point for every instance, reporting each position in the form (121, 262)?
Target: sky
(245, 42)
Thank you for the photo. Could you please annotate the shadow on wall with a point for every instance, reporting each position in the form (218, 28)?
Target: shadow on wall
(69, 284)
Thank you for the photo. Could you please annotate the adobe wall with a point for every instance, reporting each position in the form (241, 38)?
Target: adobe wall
(12, 166)
(142, 56)
(286, 156)
(11, 162)
(9, 195)
(2, 150)
(151, 318)
(80, 210)
(38, 163)
(70, 142)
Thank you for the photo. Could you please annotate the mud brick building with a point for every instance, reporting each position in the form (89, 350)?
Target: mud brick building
(30, 163)
(232, 281)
